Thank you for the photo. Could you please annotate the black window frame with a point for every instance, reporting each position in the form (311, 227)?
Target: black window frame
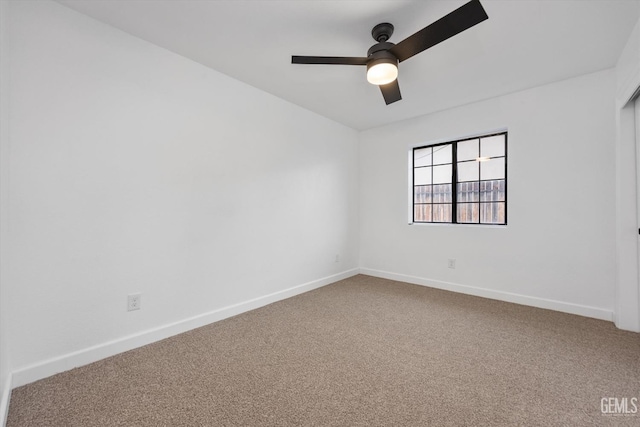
(455, 182)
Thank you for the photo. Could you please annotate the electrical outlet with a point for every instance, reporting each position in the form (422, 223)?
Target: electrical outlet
(452, 263)
(337, 258)
(133, 302)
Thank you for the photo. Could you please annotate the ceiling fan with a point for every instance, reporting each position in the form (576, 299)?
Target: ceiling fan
(383, 57)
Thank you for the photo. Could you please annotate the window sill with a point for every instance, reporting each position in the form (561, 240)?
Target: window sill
(446, 224)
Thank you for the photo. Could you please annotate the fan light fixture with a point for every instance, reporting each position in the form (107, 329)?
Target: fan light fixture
(382, 71)
(382, 58)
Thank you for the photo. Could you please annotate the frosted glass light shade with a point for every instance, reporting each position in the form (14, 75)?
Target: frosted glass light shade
(382, 73)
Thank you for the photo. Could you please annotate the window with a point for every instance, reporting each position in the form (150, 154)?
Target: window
(461, 182)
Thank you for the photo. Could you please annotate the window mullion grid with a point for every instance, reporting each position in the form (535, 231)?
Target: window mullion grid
(454, 183)
(479, 202)
(505, 177)
(413, 185)
(432, 186)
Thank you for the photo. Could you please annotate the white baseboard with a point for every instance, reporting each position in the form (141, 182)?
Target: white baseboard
(565, 307)
(6, 399)
(69, 361)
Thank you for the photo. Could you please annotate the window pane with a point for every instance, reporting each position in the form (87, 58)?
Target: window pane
(441, 174)
(492, 191)
(442, 213)
(478, 178)
(468, 150)
(442, 193)
(492, 146)
(422, 194)
(422, 176)
(492, 213)
(468, 171)
(468, 212)
(422, 157)
(422, 213)
(492, 169)
(468, 191)
(442, 154)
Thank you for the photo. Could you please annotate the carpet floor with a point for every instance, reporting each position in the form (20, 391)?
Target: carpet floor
(361, 352)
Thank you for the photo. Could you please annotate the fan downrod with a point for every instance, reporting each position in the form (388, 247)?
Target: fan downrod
(382, 32)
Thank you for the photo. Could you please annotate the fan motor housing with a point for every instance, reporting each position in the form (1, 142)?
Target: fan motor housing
(378, 47)
(379, 52)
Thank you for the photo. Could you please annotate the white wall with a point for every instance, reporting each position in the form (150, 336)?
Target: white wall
(561, 151)
(627, 161)
(4, 223)
(136, 170)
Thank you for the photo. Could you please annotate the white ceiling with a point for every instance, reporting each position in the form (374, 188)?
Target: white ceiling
(523, 44)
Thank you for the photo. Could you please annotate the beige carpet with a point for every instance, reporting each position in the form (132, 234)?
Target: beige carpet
(360, 352)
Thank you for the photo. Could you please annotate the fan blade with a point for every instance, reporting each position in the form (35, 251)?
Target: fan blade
(337, 60)
(463, 18)
(391, 92)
